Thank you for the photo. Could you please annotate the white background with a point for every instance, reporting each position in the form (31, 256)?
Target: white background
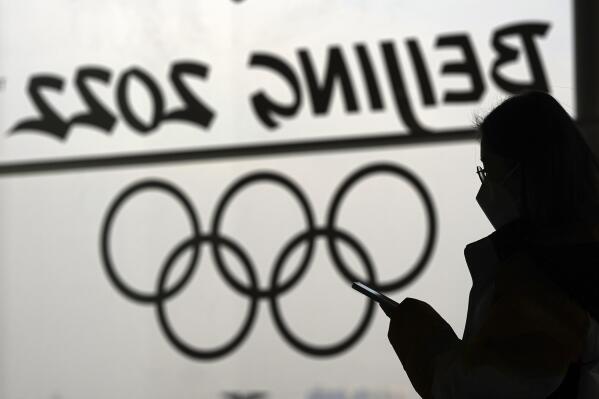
(66, 332)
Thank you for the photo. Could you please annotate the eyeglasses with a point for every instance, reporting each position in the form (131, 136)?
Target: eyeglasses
(482, 173)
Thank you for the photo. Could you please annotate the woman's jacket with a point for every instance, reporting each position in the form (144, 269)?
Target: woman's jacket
(531, 328)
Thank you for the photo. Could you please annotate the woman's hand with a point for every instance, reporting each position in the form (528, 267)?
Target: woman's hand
(418, 333)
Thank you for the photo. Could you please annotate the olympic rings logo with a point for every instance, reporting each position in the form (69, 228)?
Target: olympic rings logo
(217, 242)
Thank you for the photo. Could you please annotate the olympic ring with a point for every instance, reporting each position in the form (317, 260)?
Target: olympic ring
(218, 215)
(197, 239)
(129, 292)
(161, 297)
(276, 313)
(431, 225)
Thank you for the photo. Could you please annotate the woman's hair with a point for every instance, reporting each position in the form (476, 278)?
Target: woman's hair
(558, 168)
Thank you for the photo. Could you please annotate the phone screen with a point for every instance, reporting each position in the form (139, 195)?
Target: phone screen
(387, 304)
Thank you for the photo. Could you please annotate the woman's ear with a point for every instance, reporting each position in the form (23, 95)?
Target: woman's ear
(517, 186)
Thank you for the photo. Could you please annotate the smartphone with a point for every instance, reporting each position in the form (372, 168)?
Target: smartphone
(386, 303)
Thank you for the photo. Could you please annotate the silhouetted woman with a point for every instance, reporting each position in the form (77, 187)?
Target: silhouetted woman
(532, 325)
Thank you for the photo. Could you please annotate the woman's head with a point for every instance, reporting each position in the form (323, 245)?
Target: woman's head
(553, 174)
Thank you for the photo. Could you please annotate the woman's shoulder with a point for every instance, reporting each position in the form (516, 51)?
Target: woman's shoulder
(539, 303)
(532, 327)
(522, 274)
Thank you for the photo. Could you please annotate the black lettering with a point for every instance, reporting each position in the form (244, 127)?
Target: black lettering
(97, 115)
(125, 107)
(400, 93)
(336, 71)
(194, 110)
(264, 107)
(48, 121)
(469, 67)
(508, 54)
(424, 80)
(374, 93)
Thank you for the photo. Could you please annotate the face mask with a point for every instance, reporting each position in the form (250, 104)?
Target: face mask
(497, 203)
